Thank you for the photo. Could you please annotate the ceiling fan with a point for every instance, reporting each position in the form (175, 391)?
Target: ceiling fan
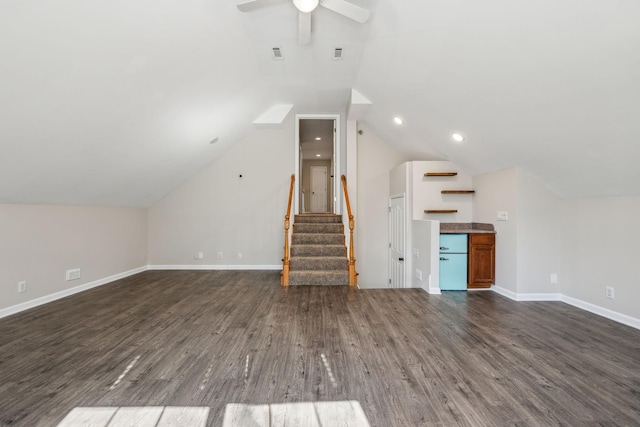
(342, 7)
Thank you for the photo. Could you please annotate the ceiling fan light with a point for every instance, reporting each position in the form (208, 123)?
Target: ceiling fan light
(306, 6)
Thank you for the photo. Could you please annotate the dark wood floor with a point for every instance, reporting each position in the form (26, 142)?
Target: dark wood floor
(409, 358)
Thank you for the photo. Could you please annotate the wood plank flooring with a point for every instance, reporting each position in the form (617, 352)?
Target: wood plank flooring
(211, 338)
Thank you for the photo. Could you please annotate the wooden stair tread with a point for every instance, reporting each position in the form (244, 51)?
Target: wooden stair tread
(435, 211)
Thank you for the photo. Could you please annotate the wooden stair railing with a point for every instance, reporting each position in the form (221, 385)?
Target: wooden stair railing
(284, 279)
(353, 276)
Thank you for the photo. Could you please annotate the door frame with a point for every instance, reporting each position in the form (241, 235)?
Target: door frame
(335, 166)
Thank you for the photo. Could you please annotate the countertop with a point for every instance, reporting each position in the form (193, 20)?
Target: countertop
(466, 228)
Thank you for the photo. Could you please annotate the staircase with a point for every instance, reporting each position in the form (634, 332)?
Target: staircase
(318, 251)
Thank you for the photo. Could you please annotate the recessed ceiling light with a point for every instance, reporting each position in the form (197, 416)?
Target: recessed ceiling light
(318, 138)
(318, 155)
(457, 137)
(214, 140)
(397, 120)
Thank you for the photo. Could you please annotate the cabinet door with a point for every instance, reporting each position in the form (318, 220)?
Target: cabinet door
(482, 255)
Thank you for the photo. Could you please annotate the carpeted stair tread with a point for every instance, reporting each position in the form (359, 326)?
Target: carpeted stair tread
(318, 250)
(319, 278)
(322, 263)
(313, 227)
(317, 239)
(317, 218)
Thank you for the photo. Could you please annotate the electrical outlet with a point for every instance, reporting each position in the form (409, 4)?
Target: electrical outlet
(219, 255)
(608, 292)
(418, 274)
(239, 255)
(73, 274)
(199, 255)
(416, 252)
(503, 216)
(553, 279)
(22, 286)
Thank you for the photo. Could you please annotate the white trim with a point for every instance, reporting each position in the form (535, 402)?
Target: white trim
(67, 292)
(526, 297)
(601, 311)
(592, 308)
(216, 267)
(505, 292)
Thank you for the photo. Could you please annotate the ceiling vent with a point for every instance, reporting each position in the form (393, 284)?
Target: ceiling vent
(337, 54)
(277, 54)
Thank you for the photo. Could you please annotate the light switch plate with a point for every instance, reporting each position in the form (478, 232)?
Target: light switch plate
(503, 216)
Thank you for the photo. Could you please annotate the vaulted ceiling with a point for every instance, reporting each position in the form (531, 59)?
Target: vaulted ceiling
(115, 102)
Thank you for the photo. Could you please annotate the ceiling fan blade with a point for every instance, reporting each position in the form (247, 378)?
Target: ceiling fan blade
(304, 28)
(249, 5)
(347, 9)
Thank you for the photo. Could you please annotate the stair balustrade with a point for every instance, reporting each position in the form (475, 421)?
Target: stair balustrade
(284, 279)
(353, 276)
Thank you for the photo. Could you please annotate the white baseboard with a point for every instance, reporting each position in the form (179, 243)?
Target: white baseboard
(601, 311)
(215, 267)
(505, 292)
(526, 297)
(67, 292)
(592, 308)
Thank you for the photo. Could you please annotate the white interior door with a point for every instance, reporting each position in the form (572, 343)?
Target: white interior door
(318, 189)
(396, 242)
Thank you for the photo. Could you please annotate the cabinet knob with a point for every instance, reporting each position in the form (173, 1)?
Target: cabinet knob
(442, 248)
(444, 259)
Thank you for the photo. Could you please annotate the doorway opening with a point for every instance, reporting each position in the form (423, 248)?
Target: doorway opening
(317, 163)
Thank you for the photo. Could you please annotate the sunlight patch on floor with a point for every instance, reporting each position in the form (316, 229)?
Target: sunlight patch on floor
(140, 416)
(306, 414)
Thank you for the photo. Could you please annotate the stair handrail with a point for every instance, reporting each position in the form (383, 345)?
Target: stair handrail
(284, 279)
(353, 276)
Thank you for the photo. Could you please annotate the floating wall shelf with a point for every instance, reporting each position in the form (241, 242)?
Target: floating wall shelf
(458, 191)
(441, 174)
(440, 211)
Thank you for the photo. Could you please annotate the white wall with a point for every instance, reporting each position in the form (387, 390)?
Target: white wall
(600, 248)
(497, 191)
(215, 211)
(375, 159)
(39, 243)
(427, 192)
(539, 220)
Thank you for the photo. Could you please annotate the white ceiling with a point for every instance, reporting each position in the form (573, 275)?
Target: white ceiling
(114, 103)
